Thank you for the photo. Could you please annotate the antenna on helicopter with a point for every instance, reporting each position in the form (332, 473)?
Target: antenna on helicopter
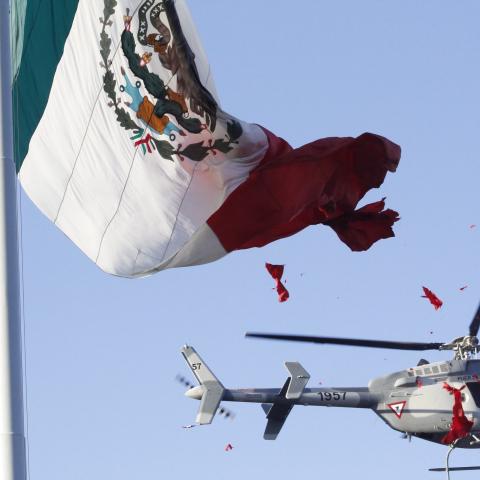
(463, 347)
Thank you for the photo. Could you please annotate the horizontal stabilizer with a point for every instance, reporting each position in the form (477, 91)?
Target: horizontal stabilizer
(276, 418)
(212, 388)
(276, 413)
(299, 378)
(208, 406)
(266, 407)
(453, 469)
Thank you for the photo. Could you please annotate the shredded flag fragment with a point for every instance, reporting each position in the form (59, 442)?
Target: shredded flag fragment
(276, 271)
(434, 300)
(228, 447)
(361, 228)
(461, 425)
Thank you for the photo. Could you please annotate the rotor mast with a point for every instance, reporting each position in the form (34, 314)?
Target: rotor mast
(464, 347)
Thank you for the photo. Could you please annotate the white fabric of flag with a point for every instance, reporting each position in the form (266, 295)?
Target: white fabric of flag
(133, 153)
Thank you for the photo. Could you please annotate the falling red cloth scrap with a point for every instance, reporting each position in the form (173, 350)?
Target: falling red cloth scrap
(276, 271)
(461, 425)
(434, 300)
(228, 447)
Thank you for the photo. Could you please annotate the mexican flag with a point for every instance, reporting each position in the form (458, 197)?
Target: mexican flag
(121, 141)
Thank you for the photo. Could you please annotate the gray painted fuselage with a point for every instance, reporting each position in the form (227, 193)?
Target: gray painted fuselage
(412, 401)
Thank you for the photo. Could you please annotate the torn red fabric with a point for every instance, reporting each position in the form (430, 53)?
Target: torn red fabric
(461, 425)
(434, 300)
(363, 227)
(276, 271)
(228, 447)
(321, 182)
(419, 382)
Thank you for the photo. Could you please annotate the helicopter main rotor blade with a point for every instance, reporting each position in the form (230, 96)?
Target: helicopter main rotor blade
(354, 342)
(453, 469)
(474, 326)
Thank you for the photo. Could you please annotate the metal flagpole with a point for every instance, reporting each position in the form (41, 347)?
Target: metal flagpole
(12, 436)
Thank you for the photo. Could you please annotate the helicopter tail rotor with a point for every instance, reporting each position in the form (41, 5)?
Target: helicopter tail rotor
(210, 391)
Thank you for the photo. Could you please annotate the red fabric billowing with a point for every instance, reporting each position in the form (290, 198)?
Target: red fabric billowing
(433, 299)
(276, 271)
(321, 182)
(361, 228)
(461, 425)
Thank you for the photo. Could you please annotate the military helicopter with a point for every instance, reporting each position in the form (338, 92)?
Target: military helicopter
(412, 401)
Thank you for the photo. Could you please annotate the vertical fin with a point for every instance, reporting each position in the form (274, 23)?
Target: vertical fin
(213, 389)
(299, 378)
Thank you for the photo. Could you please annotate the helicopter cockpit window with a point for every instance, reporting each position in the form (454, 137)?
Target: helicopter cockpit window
(474, 388)
(428, 371)
(435, 369)
(444, 368)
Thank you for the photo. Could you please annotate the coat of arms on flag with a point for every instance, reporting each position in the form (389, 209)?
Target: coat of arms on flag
(152, 100)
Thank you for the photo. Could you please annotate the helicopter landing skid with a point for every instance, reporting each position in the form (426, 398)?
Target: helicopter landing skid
(455, 469)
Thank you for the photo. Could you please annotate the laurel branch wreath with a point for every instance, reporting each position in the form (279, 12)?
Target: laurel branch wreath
(195, 151)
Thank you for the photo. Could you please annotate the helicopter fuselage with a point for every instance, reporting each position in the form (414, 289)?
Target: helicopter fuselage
(412, 401)
(415, 402)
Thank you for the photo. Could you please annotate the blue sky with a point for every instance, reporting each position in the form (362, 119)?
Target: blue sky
(102, 352)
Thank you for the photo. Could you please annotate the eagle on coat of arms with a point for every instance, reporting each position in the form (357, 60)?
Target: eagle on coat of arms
(178, 106)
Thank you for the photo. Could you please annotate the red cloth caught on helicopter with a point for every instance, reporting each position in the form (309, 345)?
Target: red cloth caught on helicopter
(461, 425)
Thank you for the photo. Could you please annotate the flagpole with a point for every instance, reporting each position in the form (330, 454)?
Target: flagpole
(12, 436)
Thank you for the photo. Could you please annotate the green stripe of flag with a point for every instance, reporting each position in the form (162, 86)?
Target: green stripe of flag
(39, 31)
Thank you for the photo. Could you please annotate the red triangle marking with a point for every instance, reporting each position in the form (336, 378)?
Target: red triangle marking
(397, 408)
